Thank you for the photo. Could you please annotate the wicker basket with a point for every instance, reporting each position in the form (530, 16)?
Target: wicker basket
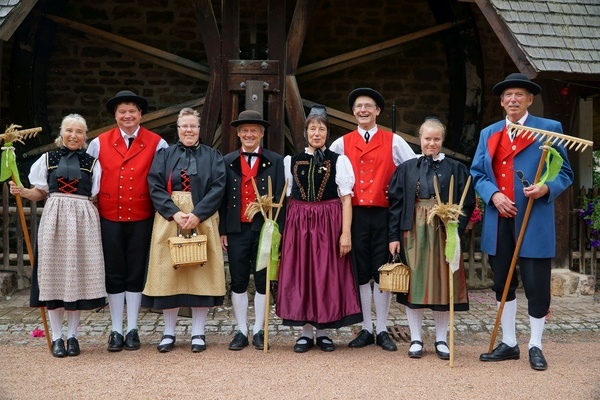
(394, 277)
(188, 251)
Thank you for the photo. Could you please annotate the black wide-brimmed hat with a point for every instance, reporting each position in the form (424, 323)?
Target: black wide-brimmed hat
(516, 80)
(250, 117)
(126, 96)
(372, 93)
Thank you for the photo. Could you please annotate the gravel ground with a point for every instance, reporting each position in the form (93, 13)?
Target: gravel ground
(30, 372)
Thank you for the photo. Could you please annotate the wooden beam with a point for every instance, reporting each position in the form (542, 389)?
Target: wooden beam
(277, 51)
(209, 31)
(297, 33)
(138, 50)
(295, 112)
(368, 53)
(230, 50)
(15, 17)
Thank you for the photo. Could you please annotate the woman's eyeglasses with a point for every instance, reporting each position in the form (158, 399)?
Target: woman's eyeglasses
(521, 177)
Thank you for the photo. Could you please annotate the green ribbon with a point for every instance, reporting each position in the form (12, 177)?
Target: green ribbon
(268, 249)
(8, 160)
(452, 249)
(554, 163)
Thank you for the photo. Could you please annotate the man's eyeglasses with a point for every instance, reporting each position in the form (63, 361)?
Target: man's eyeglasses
(367, 106)
(521, 177)
(186, 127)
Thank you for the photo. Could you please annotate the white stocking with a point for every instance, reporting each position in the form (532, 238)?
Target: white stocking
(537, 328)
(365, 301)
(442, 322)
(134, 300)
(383, 300)
(199, 315)
(170, 317)
(73, 323)
(56, 318)
(116, 303)
(507, 320)
(239, 301)
(260, 301)
(415, 320)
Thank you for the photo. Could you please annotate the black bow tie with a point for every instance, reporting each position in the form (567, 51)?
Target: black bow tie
(249, 155)
(68, 166)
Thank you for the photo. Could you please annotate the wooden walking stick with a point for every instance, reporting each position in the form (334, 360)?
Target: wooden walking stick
(549, 138)
(10, 170)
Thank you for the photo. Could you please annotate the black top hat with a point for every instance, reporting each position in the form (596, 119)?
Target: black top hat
(372, 93)
(126, 96)
(516, 80)
(250, 117)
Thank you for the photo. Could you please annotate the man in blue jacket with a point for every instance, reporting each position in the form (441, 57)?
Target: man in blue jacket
(504, 168)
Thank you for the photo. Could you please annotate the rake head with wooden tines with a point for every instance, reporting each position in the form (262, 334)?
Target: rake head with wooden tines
(558, 139)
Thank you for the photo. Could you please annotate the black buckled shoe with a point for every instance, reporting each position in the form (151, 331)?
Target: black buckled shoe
(304, 347)
(442, 354)
(364, 338)
(73, 347)
(197, 348)
(58, 348)
(416, 353)
(165, 348)
(132, 340)
(384, 341)
(239, 341)
(258, 340)
(116, 342)
(537, 360)
(325, 343)
(502, 352)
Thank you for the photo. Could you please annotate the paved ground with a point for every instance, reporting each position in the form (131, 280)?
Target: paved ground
(570, 343)
(570, 315)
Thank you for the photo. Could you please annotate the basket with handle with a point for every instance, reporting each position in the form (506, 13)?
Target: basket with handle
(394, 276)
(188, 250)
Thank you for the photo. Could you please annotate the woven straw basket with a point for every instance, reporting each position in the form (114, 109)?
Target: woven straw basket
(394, 277)
(188, 251)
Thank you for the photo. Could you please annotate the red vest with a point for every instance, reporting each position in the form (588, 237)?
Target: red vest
(124, 194)
(247, 190)
(373, 167)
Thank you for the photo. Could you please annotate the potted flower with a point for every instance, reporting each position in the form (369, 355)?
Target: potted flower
(590, 213)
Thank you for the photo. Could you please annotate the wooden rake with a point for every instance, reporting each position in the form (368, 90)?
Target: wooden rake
(9, 136)
(550, 139)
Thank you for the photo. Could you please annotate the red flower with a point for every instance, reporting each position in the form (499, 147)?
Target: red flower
(37, 333)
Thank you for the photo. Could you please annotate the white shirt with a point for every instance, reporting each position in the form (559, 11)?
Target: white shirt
(94, 146)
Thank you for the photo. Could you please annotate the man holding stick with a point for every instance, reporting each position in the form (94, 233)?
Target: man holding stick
(240, 234)
(504, 171)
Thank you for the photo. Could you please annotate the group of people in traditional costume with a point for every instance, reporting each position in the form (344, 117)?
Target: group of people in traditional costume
(349, 208)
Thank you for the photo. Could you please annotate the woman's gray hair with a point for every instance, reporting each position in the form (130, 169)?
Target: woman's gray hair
(188, 111)
(68, 120)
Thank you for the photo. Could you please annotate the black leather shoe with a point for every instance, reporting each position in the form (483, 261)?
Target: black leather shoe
(537, 360)
(416, 353)
(239, 341)
(132, 340)
(73, 347)
(165, 348)
(116, 342)
(325, 343)
(258, 340)
(364, 338)
(502, 352)
(304, 347)
(442, 354)
(197, 348)
(384, 341)
(58, 348)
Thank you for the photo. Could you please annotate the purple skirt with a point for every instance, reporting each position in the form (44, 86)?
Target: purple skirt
(316, 286)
